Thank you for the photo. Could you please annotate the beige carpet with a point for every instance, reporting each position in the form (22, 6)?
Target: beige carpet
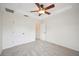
(39, 48)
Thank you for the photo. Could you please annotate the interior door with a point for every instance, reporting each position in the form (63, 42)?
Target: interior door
(41, 29)
(38, 29)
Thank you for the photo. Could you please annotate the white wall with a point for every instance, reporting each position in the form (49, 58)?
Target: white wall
(63, 28)
(0, 31)
(17, 29)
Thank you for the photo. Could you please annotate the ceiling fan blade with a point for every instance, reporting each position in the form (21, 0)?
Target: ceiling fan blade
(47, 13)
(50, 6)
(38, 5)
(34, 11)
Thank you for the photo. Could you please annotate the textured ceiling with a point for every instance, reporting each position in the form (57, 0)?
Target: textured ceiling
(25, 8)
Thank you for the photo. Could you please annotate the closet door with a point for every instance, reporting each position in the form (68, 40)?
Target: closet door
(43, 29)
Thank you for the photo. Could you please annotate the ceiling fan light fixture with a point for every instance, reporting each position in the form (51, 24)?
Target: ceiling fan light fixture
(41, 12)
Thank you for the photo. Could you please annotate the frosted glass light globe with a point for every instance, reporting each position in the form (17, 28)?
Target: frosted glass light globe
(41, 11)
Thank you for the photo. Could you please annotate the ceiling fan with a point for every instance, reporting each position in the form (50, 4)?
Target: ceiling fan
(43, 10)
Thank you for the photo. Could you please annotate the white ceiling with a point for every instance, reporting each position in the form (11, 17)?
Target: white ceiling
(25, 8)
